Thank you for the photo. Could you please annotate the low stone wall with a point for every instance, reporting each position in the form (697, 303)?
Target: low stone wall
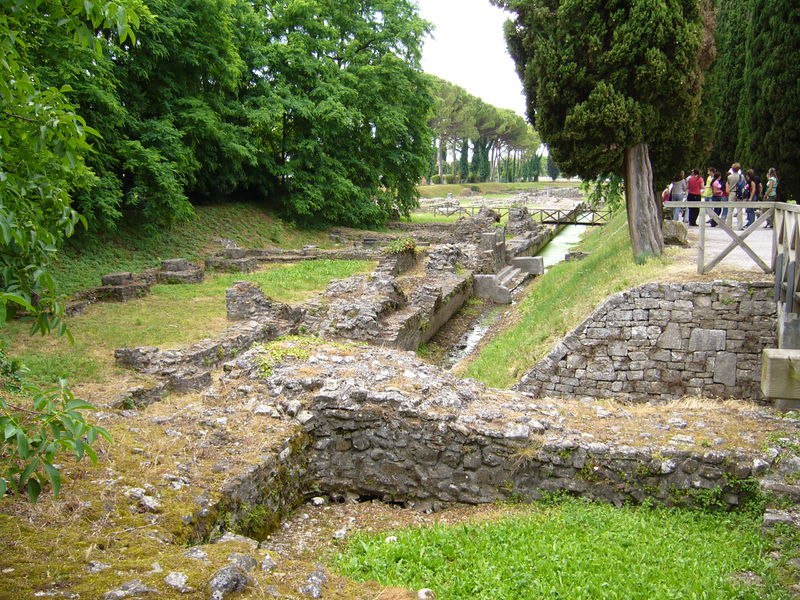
(375, 450)
(665, 341)
(255, 501)
(383, 424)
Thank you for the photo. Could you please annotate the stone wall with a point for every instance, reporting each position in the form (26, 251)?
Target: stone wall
(665, 341)
(425, 459)
(382, 424)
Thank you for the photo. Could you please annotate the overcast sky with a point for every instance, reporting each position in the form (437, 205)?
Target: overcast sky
(468, 49)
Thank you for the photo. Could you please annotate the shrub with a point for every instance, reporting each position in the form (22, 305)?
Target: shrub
(436, 179)
(402, 245)
(450, 178)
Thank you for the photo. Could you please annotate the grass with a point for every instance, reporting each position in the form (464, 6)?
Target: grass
(490, 187)
(85, 259)
(560, 300)
(173, 315)
(574, 550)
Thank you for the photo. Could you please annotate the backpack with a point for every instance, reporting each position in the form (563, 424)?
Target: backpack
(741, 188)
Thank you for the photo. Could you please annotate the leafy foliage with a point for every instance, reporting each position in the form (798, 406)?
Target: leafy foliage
(601, 77)
(33, 438)
(399, 245)
(42, 144)
(605, 191)
(770, 94)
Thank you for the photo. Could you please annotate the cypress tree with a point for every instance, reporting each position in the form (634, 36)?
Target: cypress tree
(613, 84)
(771, 92)
(463, 162)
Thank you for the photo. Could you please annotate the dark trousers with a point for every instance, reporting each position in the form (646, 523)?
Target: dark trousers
(693, 212)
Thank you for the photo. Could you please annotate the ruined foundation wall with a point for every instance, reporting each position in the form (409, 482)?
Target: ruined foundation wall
(665, 341)
(430, 459)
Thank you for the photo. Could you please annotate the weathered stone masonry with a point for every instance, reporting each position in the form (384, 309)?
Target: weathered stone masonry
(663, 341)
(378, 423)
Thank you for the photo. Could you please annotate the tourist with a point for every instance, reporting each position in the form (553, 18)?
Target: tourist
(754, 187)
(718, 194)
(771, 193)
(734, 180)
(694, 187)
(677, 193)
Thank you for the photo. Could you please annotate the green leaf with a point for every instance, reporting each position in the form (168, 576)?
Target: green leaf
(54, 476)
(23, 446)
(29, 470)
(33, 489)
(3, 487)
(78, 404)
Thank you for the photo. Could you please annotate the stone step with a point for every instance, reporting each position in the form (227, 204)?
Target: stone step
(508, 276)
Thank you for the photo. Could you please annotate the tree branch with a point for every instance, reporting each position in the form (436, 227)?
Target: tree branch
(20, 117)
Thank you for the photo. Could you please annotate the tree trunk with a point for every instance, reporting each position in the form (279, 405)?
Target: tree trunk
(644, 209)
(440, 160)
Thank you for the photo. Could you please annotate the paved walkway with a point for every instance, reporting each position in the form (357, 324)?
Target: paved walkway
(717, 240)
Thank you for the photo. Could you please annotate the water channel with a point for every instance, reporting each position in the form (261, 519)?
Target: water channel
(552, 254)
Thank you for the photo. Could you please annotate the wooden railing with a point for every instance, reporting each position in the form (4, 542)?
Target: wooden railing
(738, 239)
(546, 216)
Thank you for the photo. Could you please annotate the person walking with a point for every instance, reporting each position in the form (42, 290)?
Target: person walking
(718, 191)
(733, 185)
(771, 193)
(754, 187)
(677, 193)
(694, 187)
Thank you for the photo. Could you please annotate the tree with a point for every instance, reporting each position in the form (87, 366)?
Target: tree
(42, 141)
(723, 86)
(344, 120)
(552, 169)
(463, 161)
(612, 85)
(770, 94)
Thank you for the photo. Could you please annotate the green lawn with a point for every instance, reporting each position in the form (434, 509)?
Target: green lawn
(491, 187)
(574, 550)
(86, 259)
(560, 300)
(172, 316)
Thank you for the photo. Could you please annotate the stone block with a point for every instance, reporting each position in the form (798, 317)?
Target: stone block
(780, 373)
(175, 264)
(707, 339)
(486, 286)
(529, 264)
(233, 253)
(117, 279)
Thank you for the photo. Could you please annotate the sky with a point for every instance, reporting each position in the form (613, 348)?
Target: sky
(468, 49)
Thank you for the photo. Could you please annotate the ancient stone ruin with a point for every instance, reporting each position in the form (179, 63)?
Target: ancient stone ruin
(353, 414)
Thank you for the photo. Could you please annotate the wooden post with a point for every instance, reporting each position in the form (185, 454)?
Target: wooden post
(701, 250)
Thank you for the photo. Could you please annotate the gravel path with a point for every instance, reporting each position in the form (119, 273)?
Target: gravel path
(760, 240)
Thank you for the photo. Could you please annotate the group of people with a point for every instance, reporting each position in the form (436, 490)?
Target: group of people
(736, 185)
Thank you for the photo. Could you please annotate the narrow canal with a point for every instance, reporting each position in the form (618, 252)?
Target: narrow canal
(480, 318)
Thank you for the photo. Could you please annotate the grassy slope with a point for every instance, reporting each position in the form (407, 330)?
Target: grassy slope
(81, 264)
(560, 300)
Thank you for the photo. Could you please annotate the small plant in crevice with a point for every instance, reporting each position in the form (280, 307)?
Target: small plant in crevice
(400, 245)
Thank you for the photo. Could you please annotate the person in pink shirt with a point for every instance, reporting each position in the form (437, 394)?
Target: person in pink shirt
(694, 190)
